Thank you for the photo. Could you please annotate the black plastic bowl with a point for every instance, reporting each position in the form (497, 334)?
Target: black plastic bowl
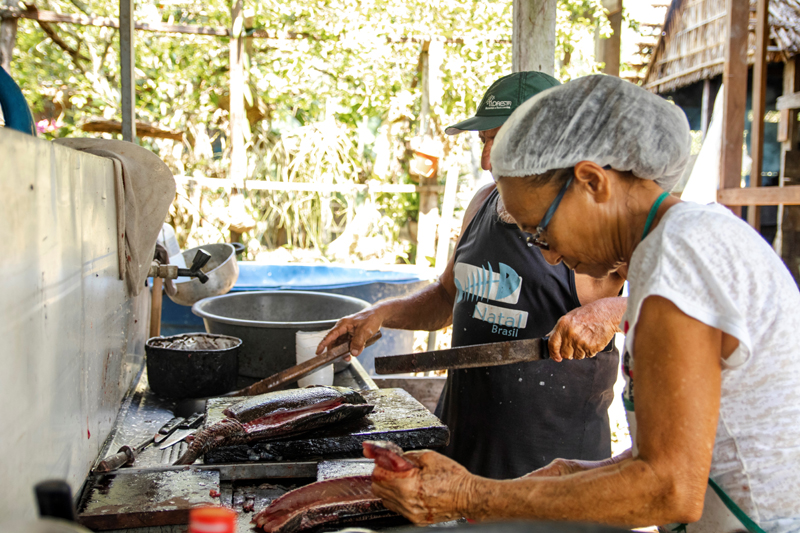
(192, 365)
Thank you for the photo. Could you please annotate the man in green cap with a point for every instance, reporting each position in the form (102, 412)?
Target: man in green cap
(506, 421)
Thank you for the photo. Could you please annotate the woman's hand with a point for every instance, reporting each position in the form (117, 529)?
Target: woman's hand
(437, 491)
(360, 326)
(586, 330)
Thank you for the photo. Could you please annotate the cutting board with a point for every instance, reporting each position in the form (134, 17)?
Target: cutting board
(397, 417)
(120, 501)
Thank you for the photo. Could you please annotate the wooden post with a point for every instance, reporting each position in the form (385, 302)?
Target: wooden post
(428, 200)
(448, 207)
(787, 238)
(607, 50)
(759, 106)
(8, 38)
(533, 38)
(238, 168)
(734, 78)
(707, 107)
(127, 53)
(155, 306)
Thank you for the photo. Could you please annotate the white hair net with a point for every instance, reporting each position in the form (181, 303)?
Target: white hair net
(598, 118)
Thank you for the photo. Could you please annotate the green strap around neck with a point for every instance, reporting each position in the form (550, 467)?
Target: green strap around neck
(652, 214)
(746, 521)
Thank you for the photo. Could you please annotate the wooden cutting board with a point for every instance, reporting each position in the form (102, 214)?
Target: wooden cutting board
(397, 417)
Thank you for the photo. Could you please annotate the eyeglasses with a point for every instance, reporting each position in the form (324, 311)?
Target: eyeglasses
(536, 239)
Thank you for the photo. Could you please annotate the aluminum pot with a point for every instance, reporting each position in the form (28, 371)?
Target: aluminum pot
(267, 321)
(222, 271)
(192, 365)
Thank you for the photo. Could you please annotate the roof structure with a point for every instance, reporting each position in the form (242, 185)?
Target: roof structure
(692, 42)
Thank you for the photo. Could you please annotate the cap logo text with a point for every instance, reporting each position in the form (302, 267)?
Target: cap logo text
(497, 104)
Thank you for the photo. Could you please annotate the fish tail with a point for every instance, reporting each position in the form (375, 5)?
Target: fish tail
(207, 439)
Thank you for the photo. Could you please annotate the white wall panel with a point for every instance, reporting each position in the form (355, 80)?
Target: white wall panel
(70, 338)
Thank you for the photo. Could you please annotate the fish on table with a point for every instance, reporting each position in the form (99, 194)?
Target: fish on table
(341, 500)
(277, 415)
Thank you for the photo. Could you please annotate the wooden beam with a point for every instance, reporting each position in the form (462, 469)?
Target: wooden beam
(83, 20)
(760, 196)
(608, 49)
(788, 101)
(734, 79)
(11, 13)
(127, 55)
(759, 106)
(533, 39)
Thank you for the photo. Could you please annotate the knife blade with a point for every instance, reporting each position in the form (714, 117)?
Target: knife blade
(184, 430)
(476, 355)
(167, 429)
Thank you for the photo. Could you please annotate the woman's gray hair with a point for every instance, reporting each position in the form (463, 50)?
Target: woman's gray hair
(598, 118)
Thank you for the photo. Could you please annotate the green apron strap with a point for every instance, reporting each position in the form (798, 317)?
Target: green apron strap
(740, 515)
(751, 526)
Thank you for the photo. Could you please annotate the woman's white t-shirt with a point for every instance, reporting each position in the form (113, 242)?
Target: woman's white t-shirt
(717, 269)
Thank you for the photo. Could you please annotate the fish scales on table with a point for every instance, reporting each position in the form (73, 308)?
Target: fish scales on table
(334, 501)
(277, 415)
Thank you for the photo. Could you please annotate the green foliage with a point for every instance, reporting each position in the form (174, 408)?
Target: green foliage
(336, 103)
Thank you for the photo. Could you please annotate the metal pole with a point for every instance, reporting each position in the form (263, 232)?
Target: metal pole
(533, 40)
(128, 62)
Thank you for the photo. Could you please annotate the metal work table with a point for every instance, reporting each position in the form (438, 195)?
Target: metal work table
(142, 413)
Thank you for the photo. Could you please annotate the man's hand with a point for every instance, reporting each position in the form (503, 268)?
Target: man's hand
(586, 330)
(434, 492)
(361, 326)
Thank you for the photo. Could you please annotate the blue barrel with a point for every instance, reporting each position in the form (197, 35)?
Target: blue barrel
(369, 285)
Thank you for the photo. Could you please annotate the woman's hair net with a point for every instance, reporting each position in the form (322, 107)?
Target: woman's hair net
(598, 118)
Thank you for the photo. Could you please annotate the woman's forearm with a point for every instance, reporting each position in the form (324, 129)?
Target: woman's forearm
(429, 309)
(629, 493)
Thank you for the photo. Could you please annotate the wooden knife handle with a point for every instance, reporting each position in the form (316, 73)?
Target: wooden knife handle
(295, 372)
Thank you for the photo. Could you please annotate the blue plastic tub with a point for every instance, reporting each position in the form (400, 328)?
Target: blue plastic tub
(369, 285)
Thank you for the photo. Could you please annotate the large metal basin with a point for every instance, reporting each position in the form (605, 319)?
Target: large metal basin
(222, 271)
(267, 321)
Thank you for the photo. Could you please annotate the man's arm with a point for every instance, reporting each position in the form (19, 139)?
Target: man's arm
(428, 309)
(586, 330)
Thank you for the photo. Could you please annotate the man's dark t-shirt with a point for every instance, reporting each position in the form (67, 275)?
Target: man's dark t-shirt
(506, 421)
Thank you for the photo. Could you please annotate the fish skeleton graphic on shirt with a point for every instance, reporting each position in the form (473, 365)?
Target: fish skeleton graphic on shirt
(481, 284)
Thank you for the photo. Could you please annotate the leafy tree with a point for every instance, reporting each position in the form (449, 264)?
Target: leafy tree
(334, 97)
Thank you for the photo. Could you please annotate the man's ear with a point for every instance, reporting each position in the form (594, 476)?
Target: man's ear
(594, 179)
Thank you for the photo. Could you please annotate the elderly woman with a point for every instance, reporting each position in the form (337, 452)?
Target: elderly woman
(713, 324)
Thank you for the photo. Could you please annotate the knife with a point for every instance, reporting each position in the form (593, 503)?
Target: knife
(167, 429)
(127, 454)
(476, 355)
(184, 430)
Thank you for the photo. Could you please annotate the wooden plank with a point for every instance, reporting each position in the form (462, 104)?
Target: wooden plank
(759, 106)
(789, 195)
(788, 101)
(735, 96)
(533, 38)
(127, 54)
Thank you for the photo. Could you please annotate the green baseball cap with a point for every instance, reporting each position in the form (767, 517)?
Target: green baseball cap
(502, 98)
